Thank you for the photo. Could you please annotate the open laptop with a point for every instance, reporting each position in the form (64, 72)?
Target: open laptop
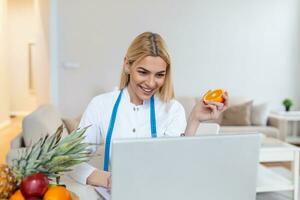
(206, 167)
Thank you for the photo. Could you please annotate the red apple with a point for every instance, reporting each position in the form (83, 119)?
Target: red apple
(34, 185)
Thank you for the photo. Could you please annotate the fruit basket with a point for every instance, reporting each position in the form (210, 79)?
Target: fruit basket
(35, 174)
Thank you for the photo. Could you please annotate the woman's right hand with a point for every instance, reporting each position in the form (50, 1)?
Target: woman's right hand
(99, 178)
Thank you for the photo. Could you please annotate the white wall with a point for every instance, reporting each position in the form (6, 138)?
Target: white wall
(42, 50)
(21, 32)
(4, 92)
(251, 48)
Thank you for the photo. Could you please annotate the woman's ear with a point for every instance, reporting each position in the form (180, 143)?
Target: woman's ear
(126, 65)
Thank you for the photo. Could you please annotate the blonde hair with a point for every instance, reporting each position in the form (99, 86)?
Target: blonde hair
(150, 44)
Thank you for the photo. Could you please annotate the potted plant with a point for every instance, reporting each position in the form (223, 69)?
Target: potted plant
(287, 104)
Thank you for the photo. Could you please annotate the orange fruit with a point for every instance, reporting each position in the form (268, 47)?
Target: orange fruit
(57, 193)
(17, 196)
(214, 95)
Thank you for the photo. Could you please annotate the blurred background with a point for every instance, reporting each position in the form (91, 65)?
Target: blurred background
(64, 52)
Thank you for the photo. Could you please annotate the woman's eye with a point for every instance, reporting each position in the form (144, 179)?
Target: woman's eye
(160, 75)
(142, 72)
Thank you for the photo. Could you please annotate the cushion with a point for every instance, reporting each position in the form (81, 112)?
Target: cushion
(44, 121)
(72, 123)
(259, 114)
(238, 115)
(237, 100)
(188, 104)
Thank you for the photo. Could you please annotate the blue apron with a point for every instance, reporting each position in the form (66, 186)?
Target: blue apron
(112, 124)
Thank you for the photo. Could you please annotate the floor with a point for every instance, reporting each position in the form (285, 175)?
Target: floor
(7, 134)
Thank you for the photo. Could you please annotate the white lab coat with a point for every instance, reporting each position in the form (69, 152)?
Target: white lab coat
(132, 121)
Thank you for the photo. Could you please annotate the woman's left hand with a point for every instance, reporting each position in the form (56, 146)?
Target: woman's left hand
(204, 111)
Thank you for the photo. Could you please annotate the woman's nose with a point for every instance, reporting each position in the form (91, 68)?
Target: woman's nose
(151, 81)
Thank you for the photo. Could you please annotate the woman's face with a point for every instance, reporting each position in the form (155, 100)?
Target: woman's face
(146, 77)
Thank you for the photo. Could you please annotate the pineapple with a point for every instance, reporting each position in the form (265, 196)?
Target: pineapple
(7, 182)
(51, 155)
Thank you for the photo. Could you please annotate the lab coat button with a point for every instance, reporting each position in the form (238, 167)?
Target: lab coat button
(133, 130)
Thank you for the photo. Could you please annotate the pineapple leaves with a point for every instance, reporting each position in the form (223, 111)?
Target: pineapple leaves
(54, 154)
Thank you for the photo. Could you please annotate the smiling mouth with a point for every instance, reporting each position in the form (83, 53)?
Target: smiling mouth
(146, 90)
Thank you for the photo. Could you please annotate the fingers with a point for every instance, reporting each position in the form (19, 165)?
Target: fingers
(219, 106)
(213, 108)
(214, 112)
(225, 96)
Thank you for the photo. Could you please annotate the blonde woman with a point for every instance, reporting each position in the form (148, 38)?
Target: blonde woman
(143, 107)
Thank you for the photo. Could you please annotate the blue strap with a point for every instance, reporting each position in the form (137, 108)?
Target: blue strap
(152, 118)
(112, 124)
(110, 131)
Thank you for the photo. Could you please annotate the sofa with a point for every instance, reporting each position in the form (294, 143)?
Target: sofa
(242, 116)
(46, 119)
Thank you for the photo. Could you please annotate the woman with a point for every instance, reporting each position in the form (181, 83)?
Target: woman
(143, 107)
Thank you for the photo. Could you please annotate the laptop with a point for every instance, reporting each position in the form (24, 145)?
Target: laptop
(210, 167)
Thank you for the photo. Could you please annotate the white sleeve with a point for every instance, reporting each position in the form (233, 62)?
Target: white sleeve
(91, 117)
(177, 123)
(81, 172)
(92, 135)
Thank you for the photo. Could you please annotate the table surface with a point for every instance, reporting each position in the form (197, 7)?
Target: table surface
(272, 143)
(289, 116)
